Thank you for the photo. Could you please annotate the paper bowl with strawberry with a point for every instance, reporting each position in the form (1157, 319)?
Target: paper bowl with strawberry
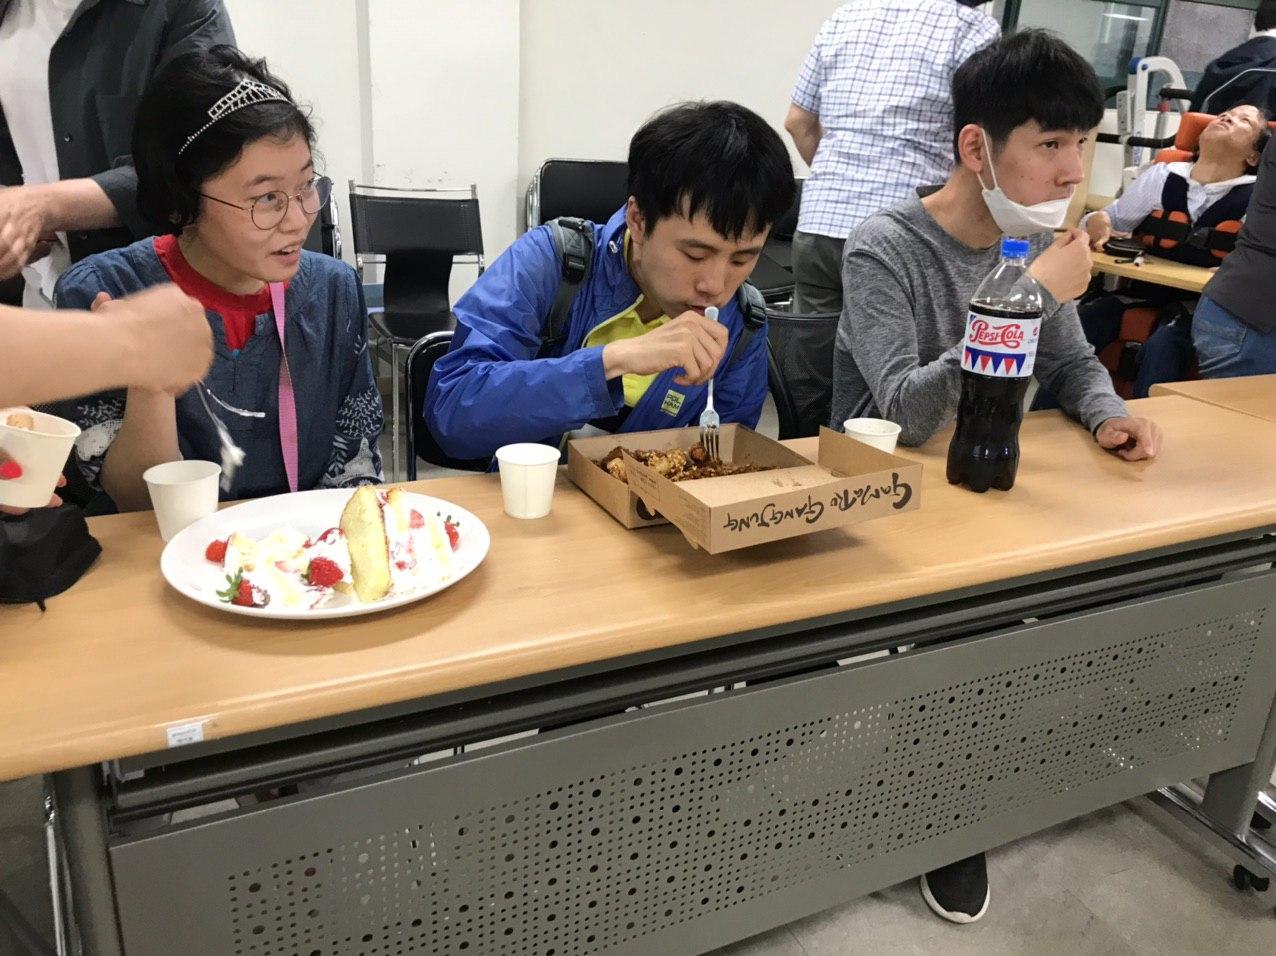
(325, 554)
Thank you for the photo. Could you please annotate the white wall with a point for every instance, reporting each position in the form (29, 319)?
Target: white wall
(445, 102)
(448, 92)
(313, 47)
(593, 71)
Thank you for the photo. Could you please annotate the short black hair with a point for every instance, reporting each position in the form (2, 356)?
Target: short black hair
(176, 104)
(1029, 75)
(718, 157)
(1265, 18)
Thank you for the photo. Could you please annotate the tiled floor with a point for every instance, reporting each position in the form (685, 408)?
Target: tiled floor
(1124, 880)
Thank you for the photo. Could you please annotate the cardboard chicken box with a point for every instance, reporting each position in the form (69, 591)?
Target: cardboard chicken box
(851, 482)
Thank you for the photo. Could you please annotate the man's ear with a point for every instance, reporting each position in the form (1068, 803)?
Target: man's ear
(972, 149)
(635, 221)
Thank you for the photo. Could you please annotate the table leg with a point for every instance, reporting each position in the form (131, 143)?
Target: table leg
(83, 829)
(1232, 795)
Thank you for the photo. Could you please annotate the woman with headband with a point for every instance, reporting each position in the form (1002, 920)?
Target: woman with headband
(226, 172)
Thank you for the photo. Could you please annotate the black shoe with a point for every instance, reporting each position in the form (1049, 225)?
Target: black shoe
(959, 891)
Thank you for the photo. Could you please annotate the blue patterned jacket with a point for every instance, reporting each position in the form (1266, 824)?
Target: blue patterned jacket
(339, 414)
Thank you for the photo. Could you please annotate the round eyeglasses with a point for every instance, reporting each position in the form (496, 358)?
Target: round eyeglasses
(268, 210)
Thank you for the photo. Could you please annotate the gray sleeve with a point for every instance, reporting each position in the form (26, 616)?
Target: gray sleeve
(195, 24)
(1068, 367)
(878, 331)
(120, 185)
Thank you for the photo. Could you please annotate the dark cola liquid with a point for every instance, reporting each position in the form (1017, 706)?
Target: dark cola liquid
(984, 452)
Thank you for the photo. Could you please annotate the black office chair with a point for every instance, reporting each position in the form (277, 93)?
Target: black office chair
(421, 442)
(420, 233)
(800, 370)
(325, 231)
(590, 189)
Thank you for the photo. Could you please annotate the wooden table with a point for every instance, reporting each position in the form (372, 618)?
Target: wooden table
(1253, 395)
(572, 618)
(1176, 275)
(160, 660)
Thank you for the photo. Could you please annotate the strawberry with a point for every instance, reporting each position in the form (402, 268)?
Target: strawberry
(323, 572)
(241, 593)
(216, 551)
(416, 519)
(453, 533)
(245, 596)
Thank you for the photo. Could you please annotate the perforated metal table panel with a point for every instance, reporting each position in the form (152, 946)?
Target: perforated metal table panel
(681, 828)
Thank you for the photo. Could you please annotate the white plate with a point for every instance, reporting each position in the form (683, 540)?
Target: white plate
(311, 512)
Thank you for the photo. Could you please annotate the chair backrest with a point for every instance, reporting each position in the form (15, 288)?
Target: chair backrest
(800, 370)
(1185, 140)
(384, 221)
(590, 189)
(420, 233)
(325, 231)
(421, 442)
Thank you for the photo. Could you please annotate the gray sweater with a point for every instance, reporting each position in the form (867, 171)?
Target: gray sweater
(907, 285)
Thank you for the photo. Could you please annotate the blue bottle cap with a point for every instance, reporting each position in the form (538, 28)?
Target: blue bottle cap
(1014, 248)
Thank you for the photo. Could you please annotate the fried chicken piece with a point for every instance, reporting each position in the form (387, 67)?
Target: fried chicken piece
(676, 464)
(667, 463)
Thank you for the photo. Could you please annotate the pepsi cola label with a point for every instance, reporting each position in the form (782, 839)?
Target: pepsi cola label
(1000, 346)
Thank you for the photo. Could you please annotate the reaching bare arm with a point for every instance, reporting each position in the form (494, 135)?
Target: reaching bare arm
(158, 339)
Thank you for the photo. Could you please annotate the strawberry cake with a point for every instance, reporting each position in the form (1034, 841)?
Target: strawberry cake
(381, 546)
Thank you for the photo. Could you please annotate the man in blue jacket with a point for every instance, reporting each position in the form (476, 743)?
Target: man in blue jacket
(706, 182)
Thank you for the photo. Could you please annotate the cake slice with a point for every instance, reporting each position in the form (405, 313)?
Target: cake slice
(364, 526)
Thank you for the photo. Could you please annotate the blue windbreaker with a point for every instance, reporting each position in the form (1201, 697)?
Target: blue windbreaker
(491, 389)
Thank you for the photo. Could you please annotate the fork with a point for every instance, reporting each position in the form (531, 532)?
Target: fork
(709, 420)
(232, 454)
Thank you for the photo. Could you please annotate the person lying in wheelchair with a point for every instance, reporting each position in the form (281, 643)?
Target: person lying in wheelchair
(1189, 212)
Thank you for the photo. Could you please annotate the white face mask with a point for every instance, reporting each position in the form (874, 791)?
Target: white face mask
(1016, 219)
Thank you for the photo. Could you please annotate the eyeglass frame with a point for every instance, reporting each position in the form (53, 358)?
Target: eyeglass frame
(316, 181)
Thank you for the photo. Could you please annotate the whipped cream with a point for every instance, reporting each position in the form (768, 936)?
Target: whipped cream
(420, 552)
(276, 568)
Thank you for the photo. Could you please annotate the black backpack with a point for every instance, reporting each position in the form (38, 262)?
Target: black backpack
(574, 244)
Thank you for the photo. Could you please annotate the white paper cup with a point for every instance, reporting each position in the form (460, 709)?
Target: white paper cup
(877, 432)
(40, 451)
(182, 492)
(527, 478)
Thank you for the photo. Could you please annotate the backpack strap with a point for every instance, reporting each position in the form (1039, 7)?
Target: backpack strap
(574, 246)
(753, 310)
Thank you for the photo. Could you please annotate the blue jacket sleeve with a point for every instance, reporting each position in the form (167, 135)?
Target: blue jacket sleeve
(740, 390)
(490, 389)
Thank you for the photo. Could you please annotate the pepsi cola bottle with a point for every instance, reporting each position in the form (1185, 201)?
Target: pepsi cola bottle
(997, 356)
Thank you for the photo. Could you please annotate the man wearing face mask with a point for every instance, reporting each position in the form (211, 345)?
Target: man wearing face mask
(1023, 108)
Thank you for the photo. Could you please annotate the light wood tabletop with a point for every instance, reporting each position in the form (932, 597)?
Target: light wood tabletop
(1252, 394)
(1176, 275)
(121, 657)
